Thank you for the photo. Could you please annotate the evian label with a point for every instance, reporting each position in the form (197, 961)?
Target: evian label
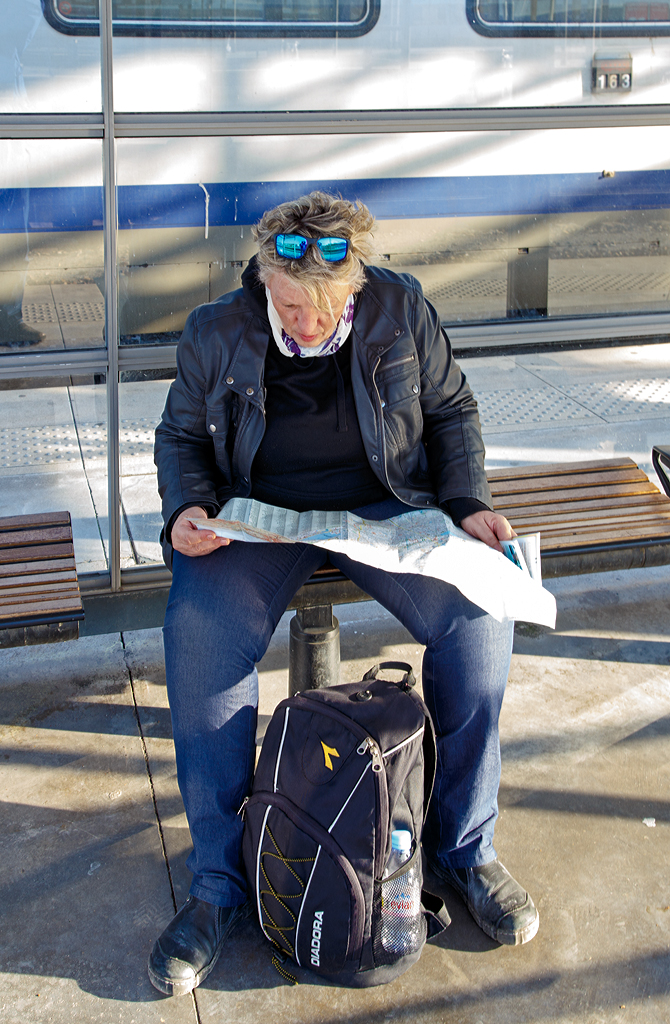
(317, 925)
(401, 905)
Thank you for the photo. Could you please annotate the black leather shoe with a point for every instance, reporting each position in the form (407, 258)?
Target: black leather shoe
(189, 947)
(497, 902)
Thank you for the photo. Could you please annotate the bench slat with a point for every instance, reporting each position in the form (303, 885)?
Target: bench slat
(37, 589)
(43, 579)
(622, 505)
(570, 481)
(40, 607)
(25, 568)
(530, 498)
(587, 538)
(56, 600)
(51, 535)
(614, 530)
(560, 468)
(623, 502)
(577, 515)
(41, 519)
(26, 554)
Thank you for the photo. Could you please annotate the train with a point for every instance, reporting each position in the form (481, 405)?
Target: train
(495, 223)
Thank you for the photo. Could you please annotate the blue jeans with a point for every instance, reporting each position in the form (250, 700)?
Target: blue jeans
(222, 612)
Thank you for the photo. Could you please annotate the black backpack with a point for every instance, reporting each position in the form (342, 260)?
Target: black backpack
(339, 769)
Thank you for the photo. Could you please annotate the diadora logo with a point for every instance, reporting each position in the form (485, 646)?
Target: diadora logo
(317, 925)
(328, 753)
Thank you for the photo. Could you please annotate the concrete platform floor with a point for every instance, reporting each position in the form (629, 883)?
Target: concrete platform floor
(94, 838)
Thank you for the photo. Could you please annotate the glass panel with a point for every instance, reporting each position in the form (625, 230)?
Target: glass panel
(494, 225)
(141, 400)
(42, 70)
(51, 248)
(53, 457)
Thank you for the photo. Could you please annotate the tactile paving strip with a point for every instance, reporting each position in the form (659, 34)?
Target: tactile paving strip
(475, 289)
(624, 399)
(39, 313)
(81, 312)
(607, 401)
(592, 284)
(526, 407)
(609, 283)
(35, 446)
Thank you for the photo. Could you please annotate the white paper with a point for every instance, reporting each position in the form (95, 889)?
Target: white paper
(424, 541)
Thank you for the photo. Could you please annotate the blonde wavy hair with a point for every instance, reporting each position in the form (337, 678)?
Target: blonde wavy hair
(317, 215)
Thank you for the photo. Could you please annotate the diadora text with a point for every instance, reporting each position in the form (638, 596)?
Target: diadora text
(317, 925)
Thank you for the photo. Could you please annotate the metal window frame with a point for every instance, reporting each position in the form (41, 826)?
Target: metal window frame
(213, 28)
(599, 30)
(114, 359)
(586, 29)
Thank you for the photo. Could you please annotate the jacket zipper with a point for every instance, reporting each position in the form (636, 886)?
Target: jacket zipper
(239, 435)
(398, 362)
(380, 423)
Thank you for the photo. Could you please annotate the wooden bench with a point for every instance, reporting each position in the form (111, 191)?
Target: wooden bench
(593, 516)
(39, 593)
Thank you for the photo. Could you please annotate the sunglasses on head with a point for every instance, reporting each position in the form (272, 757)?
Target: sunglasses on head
(294, 247)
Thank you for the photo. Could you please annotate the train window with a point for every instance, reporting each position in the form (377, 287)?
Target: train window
(217, 17)
(601, 18)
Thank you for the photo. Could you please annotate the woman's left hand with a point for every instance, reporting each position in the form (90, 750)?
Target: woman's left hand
(489, 527)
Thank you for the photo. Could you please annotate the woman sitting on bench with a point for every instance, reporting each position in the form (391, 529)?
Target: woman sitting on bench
(322, 383)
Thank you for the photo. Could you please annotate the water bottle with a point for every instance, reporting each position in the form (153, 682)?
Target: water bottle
(401, 899)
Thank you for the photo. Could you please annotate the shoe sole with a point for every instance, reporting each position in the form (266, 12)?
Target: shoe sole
(176, 988)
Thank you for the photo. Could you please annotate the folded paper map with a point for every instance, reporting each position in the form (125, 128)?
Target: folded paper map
(421, 541)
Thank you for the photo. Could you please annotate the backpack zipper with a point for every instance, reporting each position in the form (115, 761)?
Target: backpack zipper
(367, 745)
(410, 739)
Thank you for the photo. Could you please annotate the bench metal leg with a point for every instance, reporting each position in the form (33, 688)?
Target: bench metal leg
(314, 649)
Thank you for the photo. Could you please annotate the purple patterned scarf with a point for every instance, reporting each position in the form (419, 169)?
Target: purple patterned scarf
(289, 347)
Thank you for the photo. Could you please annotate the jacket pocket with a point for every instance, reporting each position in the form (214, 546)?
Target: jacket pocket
(399, 382)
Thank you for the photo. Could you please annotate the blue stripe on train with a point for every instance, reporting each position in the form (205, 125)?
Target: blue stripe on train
(163, 206)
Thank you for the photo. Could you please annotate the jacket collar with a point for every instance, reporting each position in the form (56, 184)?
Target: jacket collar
(373, 328)
(373, 325)
(244, 373)
(254, 292)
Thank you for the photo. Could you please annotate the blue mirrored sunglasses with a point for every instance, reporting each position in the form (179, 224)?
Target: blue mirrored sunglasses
(294, 247)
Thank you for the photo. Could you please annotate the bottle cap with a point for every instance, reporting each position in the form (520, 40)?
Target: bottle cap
(401, 840)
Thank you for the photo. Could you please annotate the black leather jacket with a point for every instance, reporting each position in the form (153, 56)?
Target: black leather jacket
(417, 415)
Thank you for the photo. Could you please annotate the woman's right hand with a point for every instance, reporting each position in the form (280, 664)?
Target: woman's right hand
(189, 540)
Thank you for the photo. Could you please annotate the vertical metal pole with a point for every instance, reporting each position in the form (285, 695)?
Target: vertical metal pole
(314, 650)
(111, 295)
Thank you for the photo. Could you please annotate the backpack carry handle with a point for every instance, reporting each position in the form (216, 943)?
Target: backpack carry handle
(408, 680)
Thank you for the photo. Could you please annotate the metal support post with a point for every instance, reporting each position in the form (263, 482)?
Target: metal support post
(314, 649)
(111, 295)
